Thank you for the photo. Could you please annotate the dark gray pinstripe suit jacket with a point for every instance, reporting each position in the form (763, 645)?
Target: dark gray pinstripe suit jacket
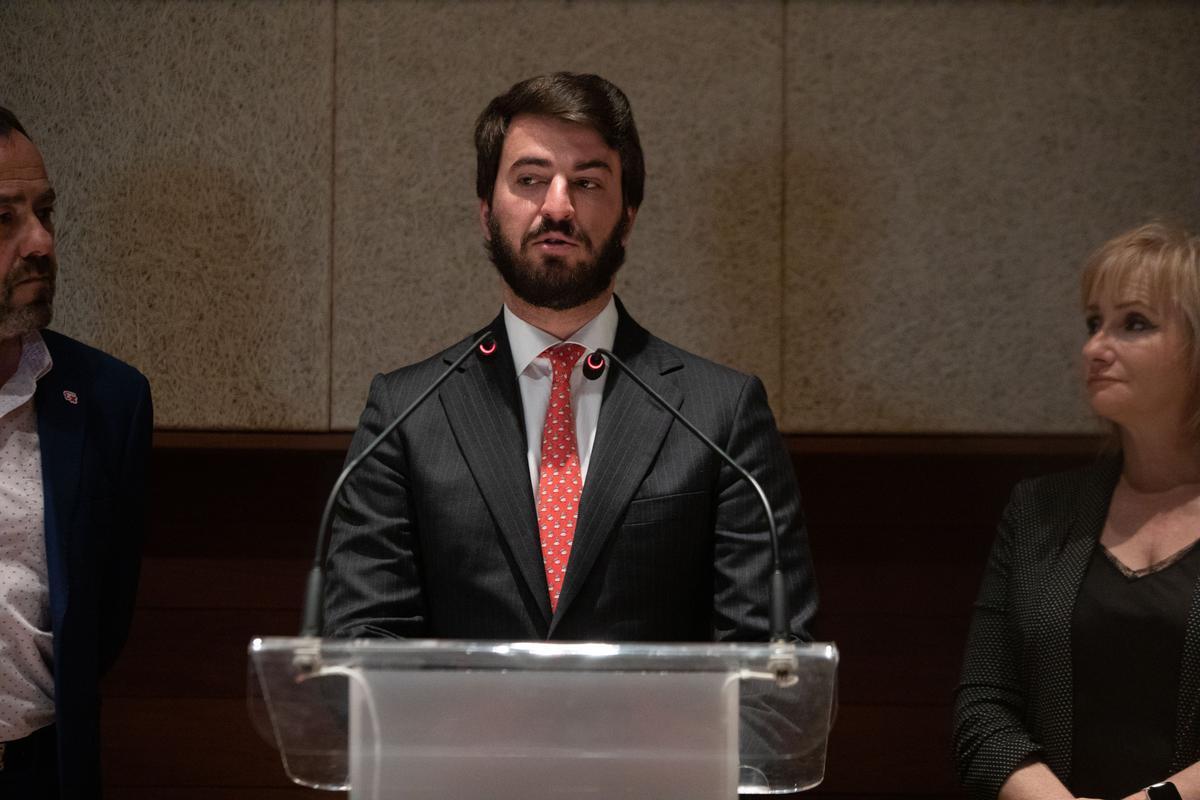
(437, 534)
(1016, 692)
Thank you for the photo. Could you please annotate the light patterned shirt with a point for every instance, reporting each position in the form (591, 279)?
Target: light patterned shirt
(26, 645)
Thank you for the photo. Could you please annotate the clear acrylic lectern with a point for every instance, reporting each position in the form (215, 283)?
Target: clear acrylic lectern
(418, 720)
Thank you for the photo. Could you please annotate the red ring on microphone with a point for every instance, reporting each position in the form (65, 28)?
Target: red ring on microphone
(488, 347)
(593, 366)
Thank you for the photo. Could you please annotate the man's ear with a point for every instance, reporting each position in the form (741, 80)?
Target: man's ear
(630, 216)
(485, 214)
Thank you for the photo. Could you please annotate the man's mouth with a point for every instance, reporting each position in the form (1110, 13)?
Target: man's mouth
(554, 242)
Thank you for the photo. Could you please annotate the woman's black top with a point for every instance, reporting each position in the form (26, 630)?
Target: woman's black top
(1127, 642)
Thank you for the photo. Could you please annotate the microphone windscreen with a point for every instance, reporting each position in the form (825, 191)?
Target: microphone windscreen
(593, 366)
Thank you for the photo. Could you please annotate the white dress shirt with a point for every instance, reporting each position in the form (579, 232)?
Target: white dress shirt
(26, 643)
(534, 375)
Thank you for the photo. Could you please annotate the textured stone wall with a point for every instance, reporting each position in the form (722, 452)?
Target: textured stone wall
(880, 208)
(190, 144)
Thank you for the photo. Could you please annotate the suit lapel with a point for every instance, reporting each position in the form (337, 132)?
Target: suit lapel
(1062, 588)
(483, 407)
(629, 435)
(60, 426)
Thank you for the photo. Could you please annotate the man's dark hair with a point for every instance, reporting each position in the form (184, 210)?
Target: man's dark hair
(10, 123)
(583, 99)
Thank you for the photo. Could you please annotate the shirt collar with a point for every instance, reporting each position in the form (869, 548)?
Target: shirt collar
(34, 363)
(35, 354)
(528, 342)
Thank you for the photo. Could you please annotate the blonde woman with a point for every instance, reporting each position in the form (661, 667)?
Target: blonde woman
(1082, 669)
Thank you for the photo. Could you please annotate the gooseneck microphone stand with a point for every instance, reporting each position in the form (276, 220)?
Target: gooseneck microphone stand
(314, 589)
(783, 663)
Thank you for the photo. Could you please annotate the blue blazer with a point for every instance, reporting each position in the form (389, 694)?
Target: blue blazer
(94, 420)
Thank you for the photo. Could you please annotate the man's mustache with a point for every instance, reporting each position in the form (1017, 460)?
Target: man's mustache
(564, 226)
(35, 267)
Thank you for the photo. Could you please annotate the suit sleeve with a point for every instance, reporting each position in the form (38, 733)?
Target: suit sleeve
(742, 557)
(991, 738)
(373, 584)
(123, 552)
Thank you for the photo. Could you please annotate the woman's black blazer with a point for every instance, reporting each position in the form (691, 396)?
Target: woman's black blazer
(1014, 700)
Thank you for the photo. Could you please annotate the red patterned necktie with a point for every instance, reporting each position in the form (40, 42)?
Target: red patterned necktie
(561, 480)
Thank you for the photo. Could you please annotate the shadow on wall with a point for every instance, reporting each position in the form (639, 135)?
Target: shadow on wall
(191, 275)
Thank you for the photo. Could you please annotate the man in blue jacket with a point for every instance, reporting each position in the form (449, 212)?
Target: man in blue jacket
(75, 428)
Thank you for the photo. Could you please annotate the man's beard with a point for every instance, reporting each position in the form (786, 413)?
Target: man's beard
(17, 320)
(552, 283)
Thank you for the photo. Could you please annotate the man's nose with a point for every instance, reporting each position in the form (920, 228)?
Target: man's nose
(37, 240)
(557, 202)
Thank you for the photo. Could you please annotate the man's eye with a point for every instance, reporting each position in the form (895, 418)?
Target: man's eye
(527, 180)
(46, 215)
(586, 183)
(1093, 324)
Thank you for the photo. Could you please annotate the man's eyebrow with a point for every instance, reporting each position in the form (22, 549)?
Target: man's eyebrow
(534, 161)
(47, 196)
(530, 161)
(595, 163)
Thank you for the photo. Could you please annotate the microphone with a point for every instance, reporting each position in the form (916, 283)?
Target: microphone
(782, 663)
(314, 590)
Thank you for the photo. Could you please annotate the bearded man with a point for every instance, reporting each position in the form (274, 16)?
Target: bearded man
(527, 502)
(75, 429)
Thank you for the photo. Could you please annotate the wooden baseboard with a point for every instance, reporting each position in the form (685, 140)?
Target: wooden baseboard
(336, 441)
(797, 443)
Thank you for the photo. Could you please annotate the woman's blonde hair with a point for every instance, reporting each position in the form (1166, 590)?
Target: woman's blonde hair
(1167, 258)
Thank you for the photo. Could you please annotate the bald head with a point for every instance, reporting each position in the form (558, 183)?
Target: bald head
(10, 123)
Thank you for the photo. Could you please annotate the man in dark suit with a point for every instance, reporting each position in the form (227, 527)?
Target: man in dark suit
(75, 430)
(525, 501)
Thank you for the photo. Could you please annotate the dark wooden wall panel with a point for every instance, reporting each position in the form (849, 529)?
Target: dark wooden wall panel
(231, 535)
(900, 530)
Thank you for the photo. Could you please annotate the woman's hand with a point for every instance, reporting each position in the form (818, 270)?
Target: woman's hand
(1033, 780)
